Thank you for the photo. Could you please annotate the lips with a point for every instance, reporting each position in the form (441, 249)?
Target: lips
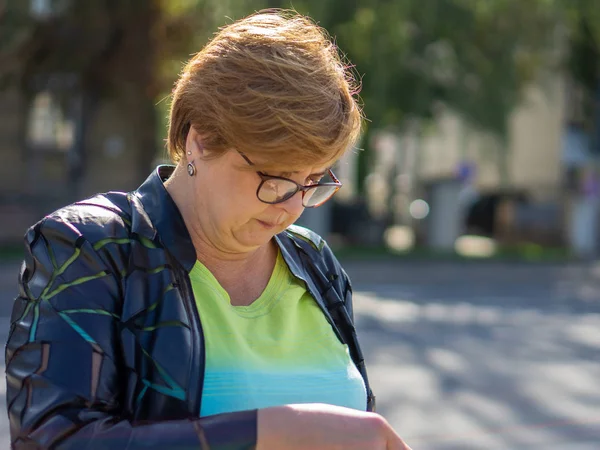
(269, 225)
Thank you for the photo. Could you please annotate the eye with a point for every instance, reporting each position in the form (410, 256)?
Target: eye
(315, 179)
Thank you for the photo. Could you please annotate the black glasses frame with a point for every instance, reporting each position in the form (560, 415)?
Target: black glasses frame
(337, 184)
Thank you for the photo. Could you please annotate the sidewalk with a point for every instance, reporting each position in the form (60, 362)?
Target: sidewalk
(434, 271)
(9, 273)
(470, 356)
(365, 273)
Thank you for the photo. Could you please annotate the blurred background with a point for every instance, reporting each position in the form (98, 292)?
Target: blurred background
(482, 144)
(483, 132)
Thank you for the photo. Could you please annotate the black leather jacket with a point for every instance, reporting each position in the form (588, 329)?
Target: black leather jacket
(106, 349)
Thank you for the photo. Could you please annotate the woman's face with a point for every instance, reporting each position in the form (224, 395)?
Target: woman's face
(227, 209)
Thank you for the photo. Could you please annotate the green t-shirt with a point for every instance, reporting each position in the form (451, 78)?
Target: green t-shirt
(279, 350)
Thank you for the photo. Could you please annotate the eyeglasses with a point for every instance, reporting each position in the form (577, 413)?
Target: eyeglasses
(273, 190)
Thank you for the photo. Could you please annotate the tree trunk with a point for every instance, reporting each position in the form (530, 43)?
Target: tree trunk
(137, 79)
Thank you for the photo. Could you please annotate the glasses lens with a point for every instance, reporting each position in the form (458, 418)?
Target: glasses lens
(275, 190)
(317, 195)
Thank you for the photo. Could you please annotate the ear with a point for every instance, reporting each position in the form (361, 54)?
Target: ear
(194, 146)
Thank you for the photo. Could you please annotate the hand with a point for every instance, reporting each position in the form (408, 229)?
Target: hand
(324, 427)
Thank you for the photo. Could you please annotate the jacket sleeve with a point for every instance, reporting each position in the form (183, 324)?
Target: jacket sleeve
(64, 372)
(346, 319)
(347, 290)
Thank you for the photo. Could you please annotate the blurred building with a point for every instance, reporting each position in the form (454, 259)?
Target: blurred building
(529, 187)
(77, 105)
(60, 143)
(51, 155)
(526, 187)
(519, 182)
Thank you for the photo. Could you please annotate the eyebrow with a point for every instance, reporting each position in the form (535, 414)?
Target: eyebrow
(316, 174)
(285, 174)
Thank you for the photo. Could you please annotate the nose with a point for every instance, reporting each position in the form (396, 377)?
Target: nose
(293, 205)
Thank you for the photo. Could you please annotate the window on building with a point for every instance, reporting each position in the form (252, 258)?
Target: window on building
(49, 128)
(46, 9)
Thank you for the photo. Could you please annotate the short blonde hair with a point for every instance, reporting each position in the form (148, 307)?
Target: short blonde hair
(272, 84)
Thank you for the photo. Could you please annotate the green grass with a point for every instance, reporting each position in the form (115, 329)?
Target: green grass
(11, 252)
(518, 253)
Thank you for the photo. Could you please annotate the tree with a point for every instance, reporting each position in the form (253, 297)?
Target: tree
(472, 56)
(126, 50)
(98, 48)
(475, 57)
(583, 63)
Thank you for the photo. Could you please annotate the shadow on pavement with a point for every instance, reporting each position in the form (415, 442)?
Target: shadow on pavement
(482, 365)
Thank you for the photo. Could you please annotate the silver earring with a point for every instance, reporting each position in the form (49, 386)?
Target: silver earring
(189, 153)
(191, 169)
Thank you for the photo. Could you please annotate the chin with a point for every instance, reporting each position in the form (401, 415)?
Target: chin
(256, 240)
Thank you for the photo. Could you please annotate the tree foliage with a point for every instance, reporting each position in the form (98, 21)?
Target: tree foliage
(583, 62)
(473, 56)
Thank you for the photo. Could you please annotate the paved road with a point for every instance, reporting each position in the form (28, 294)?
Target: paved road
(484, 356)
(469, 356)
(8, 276)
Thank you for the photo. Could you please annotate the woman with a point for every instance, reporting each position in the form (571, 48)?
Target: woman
(190, 313)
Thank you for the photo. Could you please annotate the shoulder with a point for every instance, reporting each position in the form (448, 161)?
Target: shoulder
(318, 251)
(296, 232)
(319, 255)
(67, 246)
(70, 242)
(93, 220)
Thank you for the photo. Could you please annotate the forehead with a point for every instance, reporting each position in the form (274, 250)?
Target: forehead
(300, 172)
(278, 167)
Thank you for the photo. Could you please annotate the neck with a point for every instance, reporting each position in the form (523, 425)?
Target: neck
(213, 255)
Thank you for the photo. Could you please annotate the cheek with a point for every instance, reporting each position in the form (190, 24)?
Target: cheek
(237, 203)
(291, 219)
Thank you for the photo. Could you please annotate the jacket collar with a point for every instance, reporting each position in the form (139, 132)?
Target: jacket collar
(163, 217)
(160, 216)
